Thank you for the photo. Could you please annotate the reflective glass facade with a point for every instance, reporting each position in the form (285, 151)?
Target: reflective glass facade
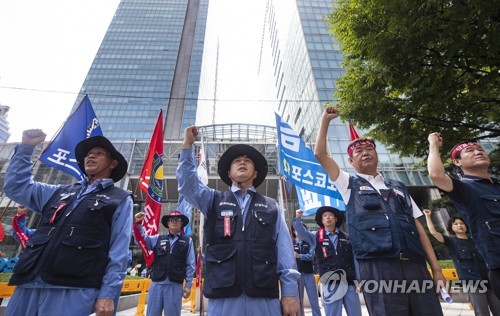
(300, 62)
(4, 124)
(149, 59)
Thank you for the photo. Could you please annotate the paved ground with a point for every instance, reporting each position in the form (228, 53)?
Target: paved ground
(453, 309)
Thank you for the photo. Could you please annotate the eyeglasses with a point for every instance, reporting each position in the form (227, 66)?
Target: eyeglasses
(175, 220)
(22, 207)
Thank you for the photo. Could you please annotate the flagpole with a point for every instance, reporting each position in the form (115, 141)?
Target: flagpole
(286, 204)
(200, 238)
(282, 184)
(139, 182)
(5, 209)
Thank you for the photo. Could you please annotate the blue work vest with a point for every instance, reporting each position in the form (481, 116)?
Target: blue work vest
(468, 262)
(170, 261)
(71, 246)
(381, 228)
(482, 211)
(340, 258)
(304, 266)
(241, 257)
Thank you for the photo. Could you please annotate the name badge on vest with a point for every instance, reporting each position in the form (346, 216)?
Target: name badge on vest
(163, 244)
(366, 188)
(227, 222)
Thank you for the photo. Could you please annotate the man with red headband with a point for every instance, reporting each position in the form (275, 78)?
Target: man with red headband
(173, 264)
(387, 241)
(476, 195)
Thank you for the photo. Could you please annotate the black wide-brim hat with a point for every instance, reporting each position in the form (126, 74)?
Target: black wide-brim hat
(338, 214)
(83, 147)
(166, 218)
(239, 150)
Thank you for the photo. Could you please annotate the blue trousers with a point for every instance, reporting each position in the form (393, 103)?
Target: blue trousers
(350, 301)
(308, 281)
(166, 298)
(52, 301)
(244, 305)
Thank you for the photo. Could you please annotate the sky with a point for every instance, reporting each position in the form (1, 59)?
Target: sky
(47, 48)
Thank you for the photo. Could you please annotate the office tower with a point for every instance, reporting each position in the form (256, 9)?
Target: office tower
(149, 59)
(300, 62)
(4, 124)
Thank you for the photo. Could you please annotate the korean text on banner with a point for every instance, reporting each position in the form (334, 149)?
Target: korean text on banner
(298, 165)
(81, 124)
(151, 182)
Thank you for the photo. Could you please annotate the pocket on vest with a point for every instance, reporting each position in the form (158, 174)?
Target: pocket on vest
(264, 265)
(492, 202)
(370, 199)
(76, 257)
(266, 224)
(220, 264)
(411, 235)
(464, 254)
(372, 232)
(34, 248)
(493, 227)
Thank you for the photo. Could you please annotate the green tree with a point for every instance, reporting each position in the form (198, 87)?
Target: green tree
(418, 66)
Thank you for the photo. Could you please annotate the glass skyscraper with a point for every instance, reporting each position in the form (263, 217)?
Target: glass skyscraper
(149, 59)
(300, 62)
(4, 124)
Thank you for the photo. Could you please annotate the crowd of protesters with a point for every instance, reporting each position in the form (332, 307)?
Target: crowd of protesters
(76, 259)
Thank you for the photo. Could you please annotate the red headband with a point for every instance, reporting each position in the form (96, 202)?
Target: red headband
(358, 143)
(458, 148)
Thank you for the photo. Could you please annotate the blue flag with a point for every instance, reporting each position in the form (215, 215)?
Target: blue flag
(309, 201)
(185, 208)
(298, 165)
(81, 124)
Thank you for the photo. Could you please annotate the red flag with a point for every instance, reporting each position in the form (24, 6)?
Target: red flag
(353, 135)
(151, 182)
(198, 270)
(2, 232)
(21, 236)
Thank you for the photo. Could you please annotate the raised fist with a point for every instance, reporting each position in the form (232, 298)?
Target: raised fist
(33, 137)
(139, 217)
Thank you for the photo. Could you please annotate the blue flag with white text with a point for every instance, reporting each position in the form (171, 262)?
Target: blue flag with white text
(298, 165)
(81, 124)
(185, 208)
(309, 201)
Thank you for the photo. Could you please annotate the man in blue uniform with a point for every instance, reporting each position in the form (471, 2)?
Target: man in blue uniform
(248, 247)
(476, 195)
(173, 264)
(75, 263)
(304, 254)
(388, 243)
(335, 260)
